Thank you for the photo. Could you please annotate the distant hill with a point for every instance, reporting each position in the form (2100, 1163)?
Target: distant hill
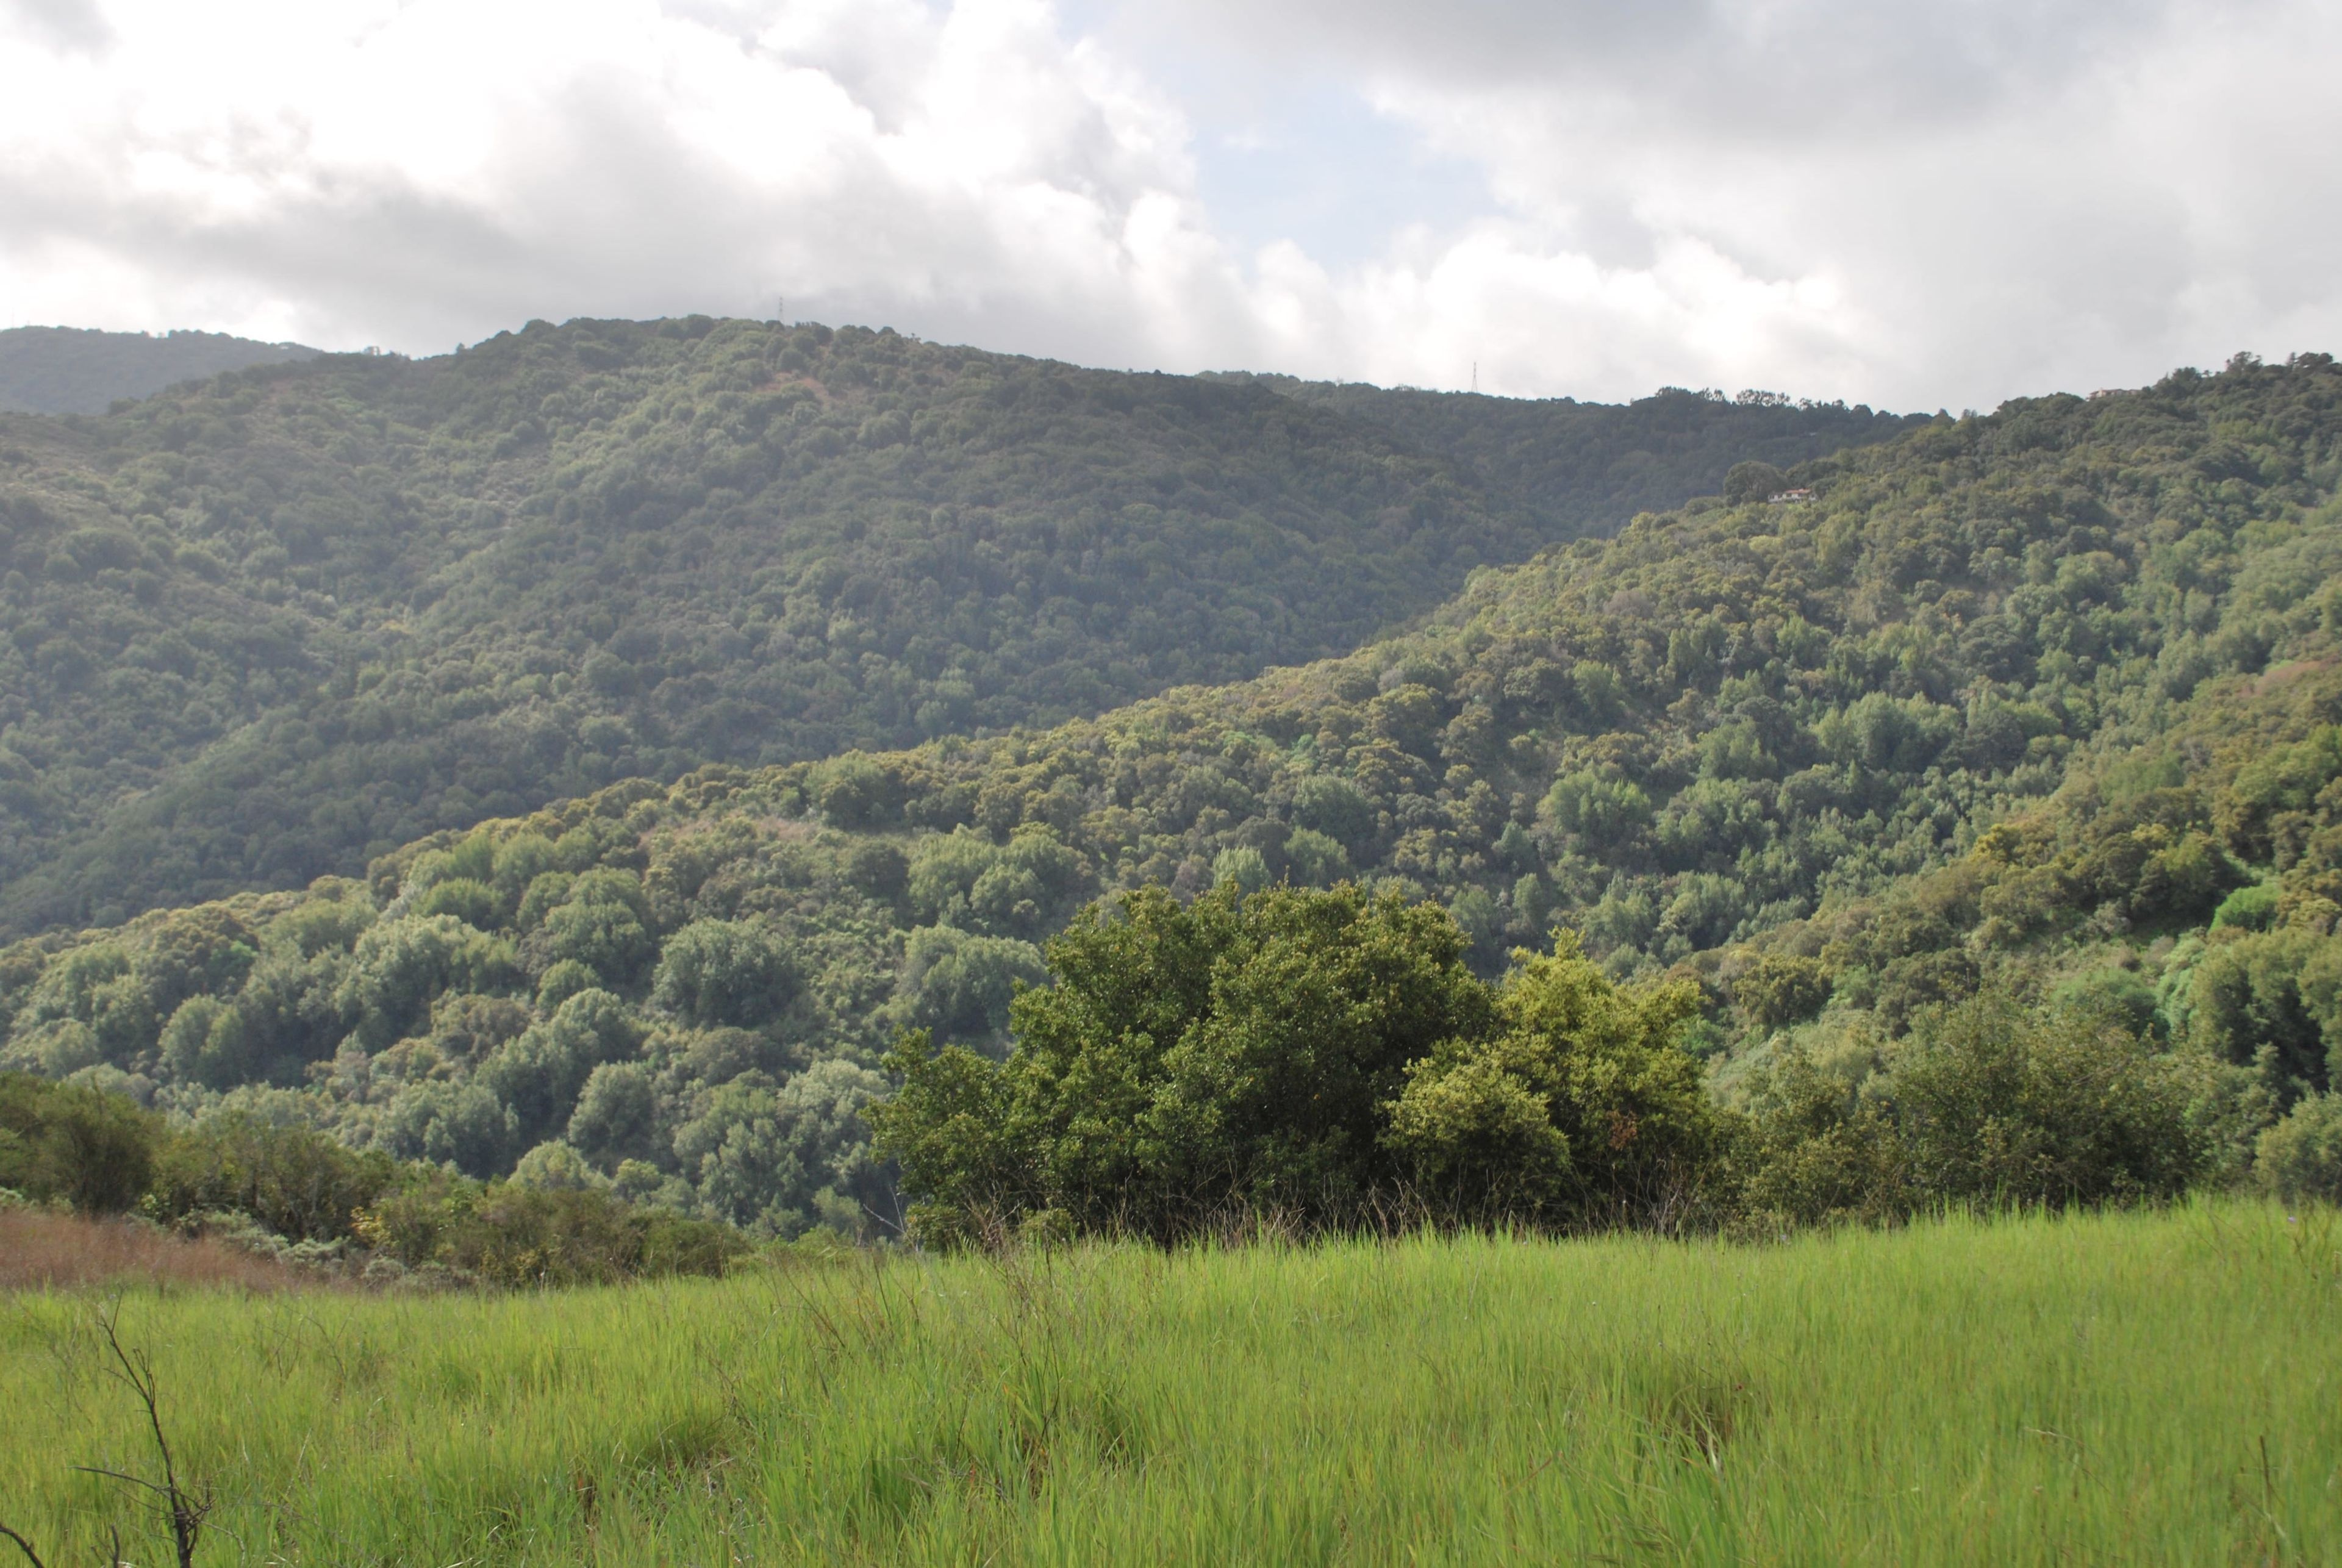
(74, 370)
(260, 628)
(1584, 468)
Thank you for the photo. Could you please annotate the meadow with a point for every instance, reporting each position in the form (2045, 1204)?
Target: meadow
(2134, 1387)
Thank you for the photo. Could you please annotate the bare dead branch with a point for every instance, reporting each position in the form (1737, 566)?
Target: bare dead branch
(24, 1546)
(184, 1509)
(117, 1475)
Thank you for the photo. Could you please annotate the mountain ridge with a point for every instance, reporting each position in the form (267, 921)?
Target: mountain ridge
(83, 370)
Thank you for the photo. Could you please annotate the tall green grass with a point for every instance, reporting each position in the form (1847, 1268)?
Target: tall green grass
(2131, 1388)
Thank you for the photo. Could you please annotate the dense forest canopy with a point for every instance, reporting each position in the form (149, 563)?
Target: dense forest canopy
(1584, 467)
(2045, 704)
(76, 370)
(264, 628)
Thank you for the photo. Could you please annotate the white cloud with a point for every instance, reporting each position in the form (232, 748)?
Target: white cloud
(1912, 206)
(416, 173)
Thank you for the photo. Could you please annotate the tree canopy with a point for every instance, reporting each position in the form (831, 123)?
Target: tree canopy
(263, 627)
(2042, 705)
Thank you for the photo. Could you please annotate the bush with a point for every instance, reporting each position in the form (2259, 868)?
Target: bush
(2001, 1105)
(1335, 808)
(459, 1124)
(536, 1078)
(554, 1166)
(562, 981)
(1580, 1104)
(1813, 1148)
(783, 1161)
(2248, 908)
(294, 1181)
(603, 924)
(1781, 988)
(1988, 1103)
(616, 1118)
(1243, 867)
(1316, 859)
(63, 1143)
(1236, 1053)
(959, 986)
(1752, 481)
(515, 1236)
(2301, 1156)
(726, 972)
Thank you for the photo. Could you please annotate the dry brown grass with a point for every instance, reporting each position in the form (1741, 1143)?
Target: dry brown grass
(48, 1251)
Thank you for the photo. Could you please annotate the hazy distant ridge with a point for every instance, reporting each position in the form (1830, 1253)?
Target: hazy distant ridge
(76, 370)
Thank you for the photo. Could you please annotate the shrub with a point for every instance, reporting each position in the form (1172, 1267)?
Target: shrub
(1579, 1105)
(563, 981)
(1238, 1052)
(1335, 808)
(783, 1161)
(473, 902)
(554, 1166)
(516, 1236)
(1752, 481)
(1243, 867)
(726, 972)
(1813, 1148)
(603, 923)
(61, 1142)
(2263, 990)
(537, 1077)
(2248, 908)
(616, 1118)
(400, 968)
(461, 1124)
(2301, 1156)
(1988, 1103)
(294, 1181)
(1316, 859)
(1782, 988)
(1999, 1103)
(960, 985)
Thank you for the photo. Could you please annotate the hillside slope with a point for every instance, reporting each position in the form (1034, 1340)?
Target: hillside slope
(74, 370)
(2048, 696)
(259, 629)
(1583, 467)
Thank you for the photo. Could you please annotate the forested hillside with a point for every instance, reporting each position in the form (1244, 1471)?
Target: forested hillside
(1584, 468)
(260, 629)
(2045, 700)
(74, 370)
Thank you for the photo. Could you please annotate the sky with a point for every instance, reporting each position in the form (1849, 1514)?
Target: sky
(1914, 207)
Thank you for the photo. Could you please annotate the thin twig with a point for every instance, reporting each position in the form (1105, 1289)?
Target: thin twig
(24, 1546)
(117, 1475)
(185, 1509)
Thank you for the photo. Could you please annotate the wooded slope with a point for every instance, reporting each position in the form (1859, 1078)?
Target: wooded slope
(2046, 697)
(262, 628)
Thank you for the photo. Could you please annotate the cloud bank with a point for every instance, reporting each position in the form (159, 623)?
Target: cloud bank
(1913, 206)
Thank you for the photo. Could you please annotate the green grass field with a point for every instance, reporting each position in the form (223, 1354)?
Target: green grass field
(2140, 1388)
